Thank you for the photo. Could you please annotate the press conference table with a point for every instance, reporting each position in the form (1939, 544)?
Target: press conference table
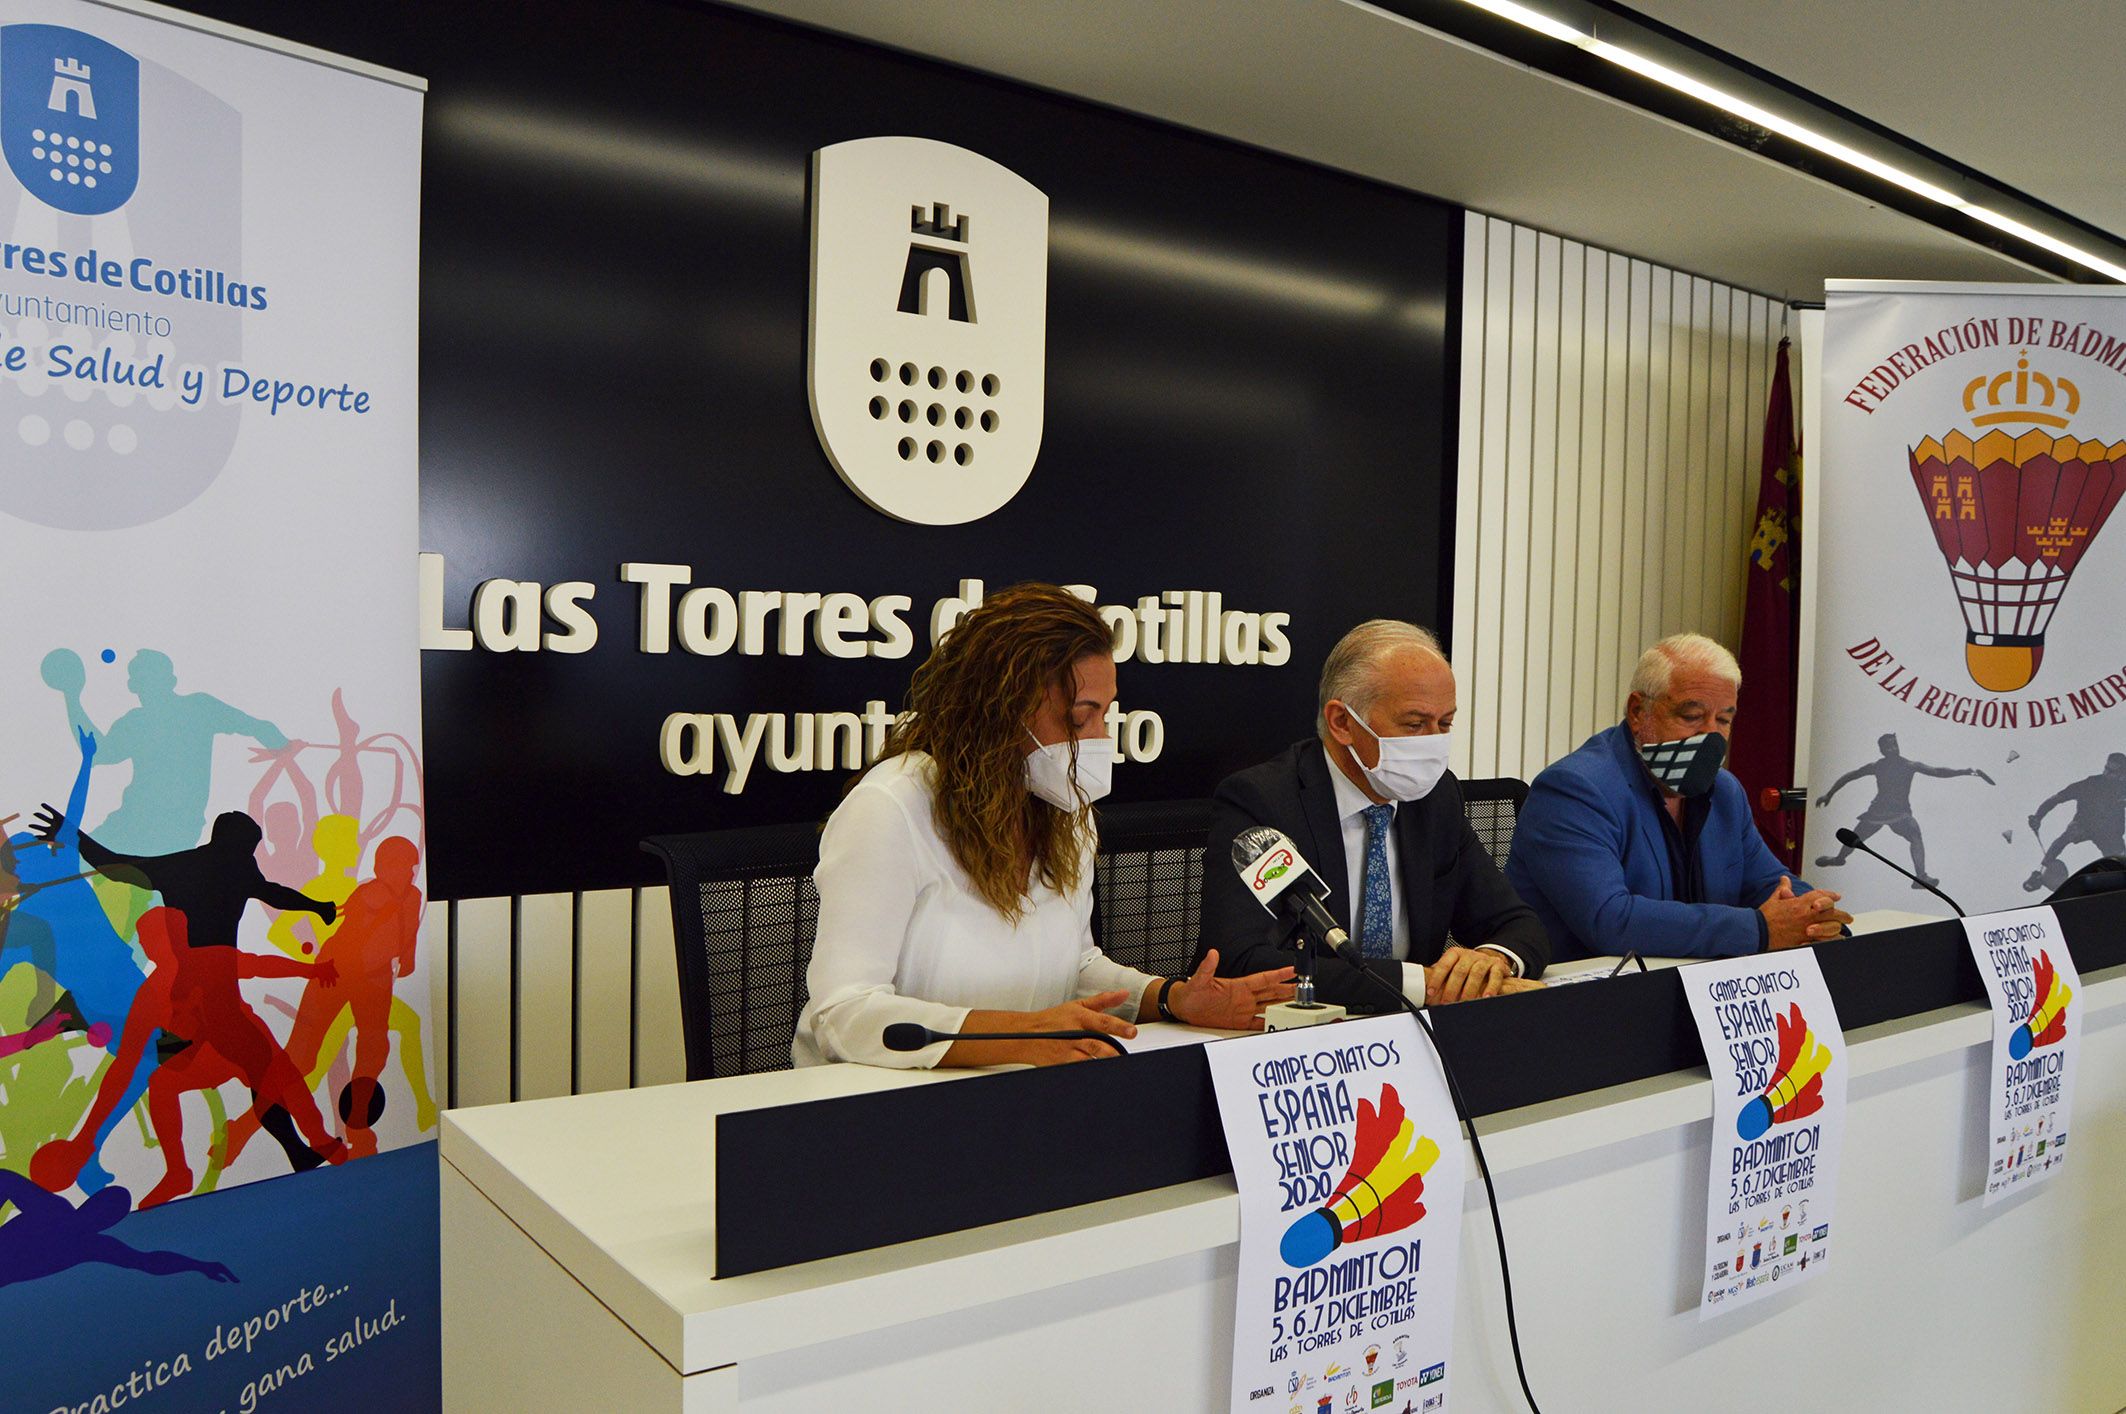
(578, 1246)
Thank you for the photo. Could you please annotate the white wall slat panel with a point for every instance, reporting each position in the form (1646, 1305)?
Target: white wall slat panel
(660, 1049)
(545, 1001)
(1610, 415)
(483, 986)
(605, 1005)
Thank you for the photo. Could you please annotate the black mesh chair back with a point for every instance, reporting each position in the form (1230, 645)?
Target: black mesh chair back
(1492, 807)
(1147, 883)
(744, 914)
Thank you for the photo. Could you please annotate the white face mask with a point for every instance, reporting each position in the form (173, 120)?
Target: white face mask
(1048, 773)
(1410, 766)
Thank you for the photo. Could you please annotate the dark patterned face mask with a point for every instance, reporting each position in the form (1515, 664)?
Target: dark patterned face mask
(1687, 767)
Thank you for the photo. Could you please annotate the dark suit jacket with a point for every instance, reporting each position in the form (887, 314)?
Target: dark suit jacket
(1445, 878)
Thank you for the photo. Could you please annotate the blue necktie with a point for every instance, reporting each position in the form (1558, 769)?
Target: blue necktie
(1376, 919)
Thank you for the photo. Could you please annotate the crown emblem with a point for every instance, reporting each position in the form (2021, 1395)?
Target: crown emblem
(940, 223)
(1983, 397)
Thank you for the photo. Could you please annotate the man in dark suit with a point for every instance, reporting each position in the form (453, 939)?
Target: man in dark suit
(1370, 804)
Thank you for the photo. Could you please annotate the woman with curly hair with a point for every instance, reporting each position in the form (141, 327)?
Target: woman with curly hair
(955, 879)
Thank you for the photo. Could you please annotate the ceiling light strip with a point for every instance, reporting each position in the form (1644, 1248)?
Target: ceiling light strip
(1830, 147)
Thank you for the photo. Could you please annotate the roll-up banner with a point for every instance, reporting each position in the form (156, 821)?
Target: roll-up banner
(1969, 719)
(212, 884)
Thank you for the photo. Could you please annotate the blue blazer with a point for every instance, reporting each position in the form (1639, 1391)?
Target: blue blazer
(1590, 858)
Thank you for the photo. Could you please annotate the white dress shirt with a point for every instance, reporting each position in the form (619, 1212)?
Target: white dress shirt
(1351, 806)
(903, 936)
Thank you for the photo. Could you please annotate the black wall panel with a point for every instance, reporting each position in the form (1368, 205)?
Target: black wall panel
(1250, 390)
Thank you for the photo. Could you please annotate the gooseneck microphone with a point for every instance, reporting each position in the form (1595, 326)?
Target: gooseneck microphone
(1850, 840)
(909, 1036)
(1282, 882)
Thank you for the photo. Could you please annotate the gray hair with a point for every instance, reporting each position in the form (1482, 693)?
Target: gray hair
(1352, 673)
(1692, 651)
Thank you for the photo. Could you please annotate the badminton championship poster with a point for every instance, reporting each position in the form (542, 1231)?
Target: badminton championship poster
(215, 1021)
(1778, 1062)
(2031, 983)
(1969, 715)
(1349, 1164)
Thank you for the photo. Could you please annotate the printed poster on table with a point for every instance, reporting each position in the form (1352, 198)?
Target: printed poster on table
(217, 1173)
(2031, 980)
(1349, 1163)
(1778, 1061)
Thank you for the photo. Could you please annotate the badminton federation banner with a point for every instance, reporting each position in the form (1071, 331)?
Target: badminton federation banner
(1970, 682)
(2031, 981)
(211, 884)
(1349, 1164)
(1778, 1061)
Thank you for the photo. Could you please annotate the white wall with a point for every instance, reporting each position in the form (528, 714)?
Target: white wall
(1611, 416)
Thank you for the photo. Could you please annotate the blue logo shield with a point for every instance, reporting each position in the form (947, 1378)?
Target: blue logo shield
(69, 117)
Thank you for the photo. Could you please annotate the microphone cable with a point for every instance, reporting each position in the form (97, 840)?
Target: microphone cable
(1483, 1168)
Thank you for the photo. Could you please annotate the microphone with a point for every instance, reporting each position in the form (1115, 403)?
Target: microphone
(909, 1036)
(1852, 841)
(1269, 864)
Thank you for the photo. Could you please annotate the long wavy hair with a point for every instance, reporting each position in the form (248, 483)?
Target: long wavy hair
(969, 707)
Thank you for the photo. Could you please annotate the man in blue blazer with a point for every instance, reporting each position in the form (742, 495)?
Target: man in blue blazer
(1613, 860)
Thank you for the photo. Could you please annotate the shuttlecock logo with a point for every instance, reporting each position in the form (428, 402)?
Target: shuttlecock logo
(1380, 1191)
(2047, 1022)
(1796, 1087)
(2013, 514)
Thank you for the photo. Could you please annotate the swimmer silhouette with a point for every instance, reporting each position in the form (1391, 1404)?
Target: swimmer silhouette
(49, 1235)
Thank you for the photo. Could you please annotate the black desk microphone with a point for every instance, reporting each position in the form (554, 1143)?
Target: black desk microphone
(908, 1036)
(1852, 841)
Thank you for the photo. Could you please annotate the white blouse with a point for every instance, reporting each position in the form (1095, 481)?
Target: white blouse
(903, 936)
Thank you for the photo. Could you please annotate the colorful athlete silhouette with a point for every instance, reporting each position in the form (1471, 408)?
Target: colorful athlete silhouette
(49, 1235)
(2099, 819)
(210, 885)
(169, 739)
(372, 948)
(55, 922)
(191, 996)
(1892, 805)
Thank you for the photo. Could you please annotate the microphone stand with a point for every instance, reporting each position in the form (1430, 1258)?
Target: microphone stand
(1851, 840)
(1303, 1010)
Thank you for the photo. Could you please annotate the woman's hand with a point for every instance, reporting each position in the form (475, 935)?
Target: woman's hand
(1084, 1014)
(1227, 1003)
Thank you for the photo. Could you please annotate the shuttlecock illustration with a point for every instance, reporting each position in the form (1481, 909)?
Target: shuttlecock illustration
(1796, 1088)
(2014, 514)
(1380, 1191)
